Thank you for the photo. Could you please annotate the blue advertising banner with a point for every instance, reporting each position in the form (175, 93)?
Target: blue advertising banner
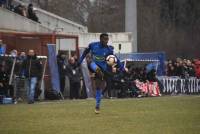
(52, 59)
(86, 76)
(155, 57)
(2, 49)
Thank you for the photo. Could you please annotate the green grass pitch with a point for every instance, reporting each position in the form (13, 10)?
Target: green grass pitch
(161, 115)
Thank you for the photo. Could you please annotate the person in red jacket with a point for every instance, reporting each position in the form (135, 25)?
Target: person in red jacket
(197, 68)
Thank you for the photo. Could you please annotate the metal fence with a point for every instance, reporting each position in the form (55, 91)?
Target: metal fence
(177, 85)
(19, 84)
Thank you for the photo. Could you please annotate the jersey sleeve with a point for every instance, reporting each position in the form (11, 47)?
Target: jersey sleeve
(85, 52)
(119, 64)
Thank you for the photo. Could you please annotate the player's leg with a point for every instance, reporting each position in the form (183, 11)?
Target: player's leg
(93, 67)
(108, 85)
(100, 85)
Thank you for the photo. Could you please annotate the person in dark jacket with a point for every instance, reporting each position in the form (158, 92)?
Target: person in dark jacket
(74, 74)
(9, 66)
(191, 69)
(33, 70)
(151, 76)
(18, 65)
(4, 80)
(62, 63)
(31, 14)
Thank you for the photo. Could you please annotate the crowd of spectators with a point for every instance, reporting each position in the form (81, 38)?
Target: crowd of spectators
(17, 66)
(20, 9)
(29, 67)
(183, 68)
(126, 82)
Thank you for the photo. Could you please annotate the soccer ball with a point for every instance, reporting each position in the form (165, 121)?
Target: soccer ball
(111, 60)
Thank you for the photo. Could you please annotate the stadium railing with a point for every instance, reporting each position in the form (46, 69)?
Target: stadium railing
(177, 85)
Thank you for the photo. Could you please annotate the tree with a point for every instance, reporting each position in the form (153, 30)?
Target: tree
(75, 10)
(107, 16)
(97, 15)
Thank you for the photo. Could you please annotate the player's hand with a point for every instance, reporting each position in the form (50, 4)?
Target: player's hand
(126, 69)
(114, 69)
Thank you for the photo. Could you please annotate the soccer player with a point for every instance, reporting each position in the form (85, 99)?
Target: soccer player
(98, 65)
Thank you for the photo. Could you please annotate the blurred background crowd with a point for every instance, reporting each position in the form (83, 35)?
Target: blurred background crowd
(26, 11)
(183, 68)
(71, 76)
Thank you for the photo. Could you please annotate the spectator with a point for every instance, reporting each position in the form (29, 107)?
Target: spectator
(10, 61)
(191, 70)
(13, 53)
(185, 71)
(33, 71)
(185, 61)
(22, 56)
(170, 69)
(9, 4)
(133, 74)
(20, 60)
(62, 63)
(182, 68)
(4, 77)
(142, 75)
(76, 58)
(4, 80)
(74, 74)
(197, 68)
(21, 10)
(3, 3)
(24, 11)
(31, 14)
(178, 69)
(2, 47)
(151, 76)
(19, 72)
(10, 69)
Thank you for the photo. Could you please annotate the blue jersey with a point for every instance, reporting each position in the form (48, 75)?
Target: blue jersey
(99, 54)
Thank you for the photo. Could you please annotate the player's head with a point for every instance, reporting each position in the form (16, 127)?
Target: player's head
(104, 38)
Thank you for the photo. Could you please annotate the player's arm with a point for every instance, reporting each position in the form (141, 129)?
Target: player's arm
(85, 52)
(120, 66)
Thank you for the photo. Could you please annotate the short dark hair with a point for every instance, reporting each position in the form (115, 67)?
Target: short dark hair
(30, 5)
(103, 34)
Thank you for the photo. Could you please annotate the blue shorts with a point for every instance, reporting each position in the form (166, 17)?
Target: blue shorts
(93, 67)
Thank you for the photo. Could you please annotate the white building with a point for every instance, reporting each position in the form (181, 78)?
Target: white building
(131, 21)
(51, 23)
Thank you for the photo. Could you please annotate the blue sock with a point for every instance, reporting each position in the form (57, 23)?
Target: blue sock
(98, 98)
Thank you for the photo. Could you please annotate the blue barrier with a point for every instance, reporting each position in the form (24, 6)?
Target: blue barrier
(155, 57)
(2, 49)
(177, 85)
(55, 80)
